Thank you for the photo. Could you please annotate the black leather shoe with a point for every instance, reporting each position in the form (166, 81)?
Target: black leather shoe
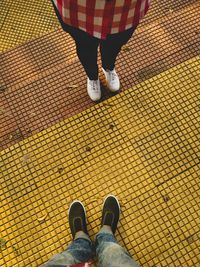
(77, 218)
(111, 211)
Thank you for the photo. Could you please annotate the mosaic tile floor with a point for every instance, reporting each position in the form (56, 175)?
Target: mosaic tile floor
(141, 145)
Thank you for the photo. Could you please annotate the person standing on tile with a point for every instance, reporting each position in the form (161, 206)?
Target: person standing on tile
(80, 252)
(105, 23)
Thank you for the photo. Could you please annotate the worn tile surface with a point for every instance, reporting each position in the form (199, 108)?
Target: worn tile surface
(140, 145)
(43, 81)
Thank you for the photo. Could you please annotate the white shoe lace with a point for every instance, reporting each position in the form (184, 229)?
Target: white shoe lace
(94, 85)
(113, 76)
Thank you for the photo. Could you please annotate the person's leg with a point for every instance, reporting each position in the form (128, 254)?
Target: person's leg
(109, 252)
(86, 48)
(111, 47)
(81, 249)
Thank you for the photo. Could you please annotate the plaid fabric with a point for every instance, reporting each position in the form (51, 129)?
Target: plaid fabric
(102, 17)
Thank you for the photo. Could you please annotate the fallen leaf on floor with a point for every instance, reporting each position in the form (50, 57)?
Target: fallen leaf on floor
(40, 219)
(72, 86)
(32, 113)
(2, 243)
(2, 110)
(2, 88)
(26, 159)
(126, 48)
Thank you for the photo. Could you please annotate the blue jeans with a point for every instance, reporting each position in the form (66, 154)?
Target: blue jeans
(109, 252)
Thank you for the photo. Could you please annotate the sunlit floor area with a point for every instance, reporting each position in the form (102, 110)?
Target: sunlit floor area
(141, 145)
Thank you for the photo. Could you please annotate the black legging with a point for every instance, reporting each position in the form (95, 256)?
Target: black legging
(87, 45)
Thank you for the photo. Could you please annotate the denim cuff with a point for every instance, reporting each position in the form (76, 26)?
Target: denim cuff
(83, 235)
(104, 229)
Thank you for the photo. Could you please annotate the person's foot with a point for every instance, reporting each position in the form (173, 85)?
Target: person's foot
(112, 80)
(110, 214)
(77, 218)
(94, 89)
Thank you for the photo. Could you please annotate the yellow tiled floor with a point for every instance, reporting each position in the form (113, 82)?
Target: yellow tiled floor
(24, 20)
(141, 145)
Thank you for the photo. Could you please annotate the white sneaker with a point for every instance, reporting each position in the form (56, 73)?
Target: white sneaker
(112, 80)
(94, 89)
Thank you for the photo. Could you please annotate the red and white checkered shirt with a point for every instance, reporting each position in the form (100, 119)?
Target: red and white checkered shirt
(102, 17)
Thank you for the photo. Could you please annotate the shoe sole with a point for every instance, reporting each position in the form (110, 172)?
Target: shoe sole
(94, 100)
